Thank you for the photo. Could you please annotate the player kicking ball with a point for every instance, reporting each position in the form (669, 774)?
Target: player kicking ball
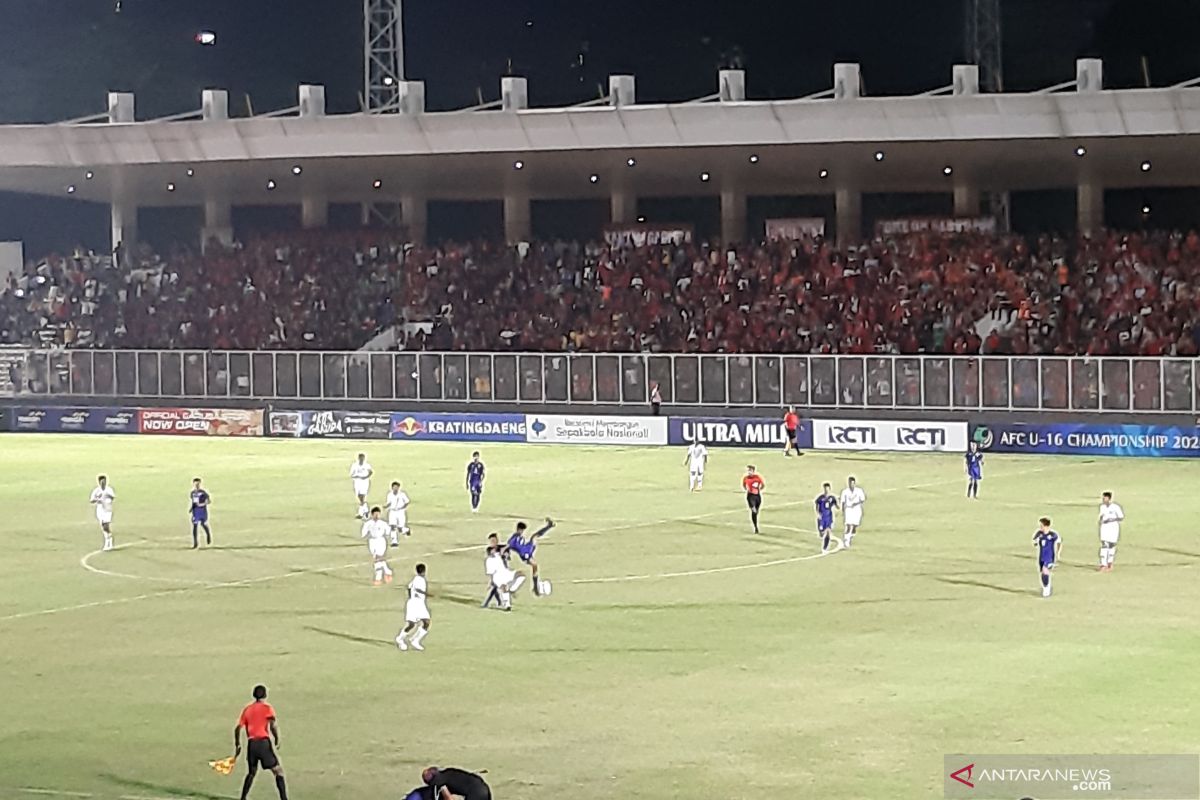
(696, 460)
(525, 546)
(1111, 517)
(416, 613)
(1049, 549)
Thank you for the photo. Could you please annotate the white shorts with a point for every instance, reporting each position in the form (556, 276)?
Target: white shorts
(378, 547)
(697, 473)
(503, 577)
(1110, 535)
(103, 517)
(398, 519)
(853, 516)
(362, 487)
(415, 610)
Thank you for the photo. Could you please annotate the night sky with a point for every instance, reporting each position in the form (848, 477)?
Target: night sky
(59, 57)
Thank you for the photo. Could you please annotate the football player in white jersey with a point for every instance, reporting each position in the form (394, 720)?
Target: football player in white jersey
(416, 613)
(360, 474)
(102, 498)
(375, 531)
(1111, 517)
(696, 460)
(852, 501)
(397, 507)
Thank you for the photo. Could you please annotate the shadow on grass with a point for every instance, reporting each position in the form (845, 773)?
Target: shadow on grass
(1173, 551)
(981, 585)
(162, 789)
(350, 637)
(338, 546)
(458, 599)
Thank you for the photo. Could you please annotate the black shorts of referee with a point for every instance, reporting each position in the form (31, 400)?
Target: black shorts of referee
(260, 753)
(754, 501)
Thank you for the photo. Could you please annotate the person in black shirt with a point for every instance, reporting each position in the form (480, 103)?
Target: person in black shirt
(448, 782)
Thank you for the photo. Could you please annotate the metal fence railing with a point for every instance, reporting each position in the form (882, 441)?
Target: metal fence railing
(1047, 383)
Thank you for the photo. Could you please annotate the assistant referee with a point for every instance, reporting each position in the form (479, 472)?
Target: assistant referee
(258, 719)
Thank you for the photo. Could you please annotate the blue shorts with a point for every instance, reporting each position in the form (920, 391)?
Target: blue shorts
(525, 553)
(476, 488)
(825, 523)
(199, 515)
(975, 475)
(1045, 565)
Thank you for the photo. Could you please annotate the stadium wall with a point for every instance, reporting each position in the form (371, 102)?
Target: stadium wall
(877, 433)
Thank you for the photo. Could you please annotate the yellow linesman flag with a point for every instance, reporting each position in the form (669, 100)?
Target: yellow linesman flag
(224, 765)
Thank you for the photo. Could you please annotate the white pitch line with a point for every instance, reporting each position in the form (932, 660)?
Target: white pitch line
(85, 562)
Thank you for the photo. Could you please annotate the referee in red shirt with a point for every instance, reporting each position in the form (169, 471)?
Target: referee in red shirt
(753, 484)
(258, 719)
(791, 423)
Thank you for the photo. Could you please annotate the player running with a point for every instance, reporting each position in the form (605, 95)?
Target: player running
(791, 424)
(1111, 517)
(825, 504)
(1049, 547)
(696, 460)
(475, 475)
(753, 484)
(102, 498)
(416, 613)
(525, 547)
(375, 531)
(853, 499)
(974, 459)
(360, 473)
(397, 506)
(199, 514)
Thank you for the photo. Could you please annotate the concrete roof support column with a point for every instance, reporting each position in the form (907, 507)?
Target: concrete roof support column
(414, 216)
(314, 211)
(966, 200)
(623, 205)
(733, 216)
(120, 107)
(518, 220)
(848, 209)
(731, 85)
(514, 94)
(218, 222)
(124, 225)
(214, 105)
(1089, 208)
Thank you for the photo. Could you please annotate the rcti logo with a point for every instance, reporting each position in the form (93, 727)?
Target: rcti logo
(408, 426)
(964, 779)
(983, 437)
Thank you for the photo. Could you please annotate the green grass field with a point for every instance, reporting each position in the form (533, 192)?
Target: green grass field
(679, 656)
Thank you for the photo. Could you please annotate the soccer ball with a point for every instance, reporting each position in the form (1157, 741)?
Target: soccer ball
(545, 588)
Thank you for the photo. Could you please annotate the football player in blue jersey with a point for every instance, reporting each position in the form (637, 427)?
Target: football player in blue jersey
(1049, 549)
(825, 504)
(525, 546)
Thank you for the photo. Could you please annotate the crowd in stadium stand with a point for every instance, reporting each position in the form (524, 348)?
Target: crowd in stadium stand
(915, 293)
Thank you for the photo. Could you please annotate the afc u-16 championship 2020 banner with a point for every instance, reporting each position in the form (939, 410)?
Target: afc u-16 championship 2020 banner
(201, 421)
(75, 420)
(737, 431)
(1149, 441)
(917, 436)
(581, 429)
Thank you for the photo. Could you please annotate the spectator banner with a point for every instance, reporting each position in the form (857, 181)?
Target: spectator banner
(201, 421)
(75, 420)
(459, 427)
(1089, 440)
(918, 436)
(736, 431)
(795, 228)
(621, 236)
(330, 424)
(562, 429)
(892, 227)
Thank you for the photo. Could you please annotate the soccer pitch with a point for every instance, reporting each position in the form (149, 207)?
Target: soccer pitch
(680, 655)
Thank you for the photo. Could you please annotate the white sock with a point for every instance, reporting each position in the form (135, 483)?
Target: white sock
(517, 583)
(1112, 553)
(505, 599)
(386, 569)
(1103, 555)
(419, 635)
(395, 538)
(108, 540)
(362, 510)
(378, 572)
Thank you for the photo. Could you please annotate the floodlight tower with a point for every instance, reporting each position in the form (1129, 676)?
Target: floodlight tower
(982, 42)
(383, 55)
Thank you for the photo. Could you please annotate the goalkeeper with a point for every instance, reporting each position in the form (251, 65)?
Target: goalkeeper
(258, 719)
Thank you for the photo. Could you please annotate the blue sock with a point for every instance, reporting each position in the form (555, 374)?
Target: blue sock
(1045, 579)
